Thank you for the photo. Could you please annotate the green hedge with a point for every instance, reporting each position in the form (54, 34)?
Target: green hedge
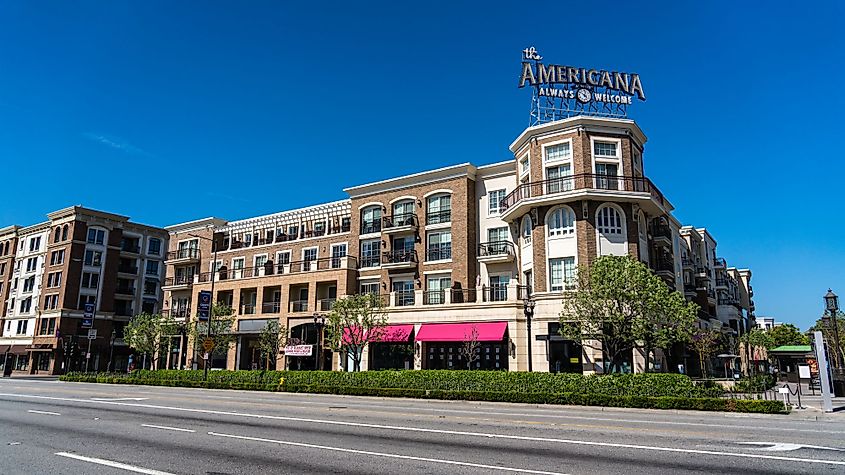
(642, 384)
(651, 391)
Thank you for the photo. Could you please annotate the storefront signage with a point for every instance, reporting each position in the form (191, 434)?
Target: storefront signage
(563, 91)
(299, 350)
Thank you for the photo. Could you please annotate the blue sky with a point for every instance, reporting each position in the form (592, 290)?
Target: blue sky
(172, 111)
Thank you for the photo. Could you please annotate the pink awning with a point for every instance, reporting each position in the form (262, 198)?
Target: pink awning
(487, 331)
(388, 334)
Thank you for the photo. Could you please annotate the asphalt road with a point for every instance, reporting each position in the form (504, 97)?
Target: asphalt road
(55, 427)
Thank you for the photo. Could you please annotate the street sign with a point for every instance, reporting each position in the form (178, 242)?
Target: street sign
(88, 356)
(204, 309)
(208, 344)
(92, 334)
(205, 356)
(88, 316)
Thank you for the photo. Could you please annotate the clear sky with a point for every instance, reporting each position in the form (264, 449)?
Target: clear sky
(173, 111)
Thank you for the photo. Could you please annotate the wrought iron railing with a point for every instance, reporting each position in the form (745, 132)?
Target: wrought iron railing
(398, 257)
(369, 227)
(495, 248)
(437, 217)
(439, 253)
(399, 220)
(581, 182)
(189, 253)
(434, 297)
(404, 298)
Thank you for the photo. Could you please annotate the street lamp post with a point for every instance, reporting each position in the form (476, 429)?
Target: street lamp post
(111, 348)
(528, 307)
(319, 322)
(831, 304)
(210, 310)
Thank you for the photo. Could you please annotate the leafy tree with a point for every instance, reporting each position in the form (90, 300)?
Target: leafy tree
(788, 334)
(705, 343)
(470, 347)
(150, 334)
(271, 340)
(222, 330)
(759, 338)
(828, 334)
(355, 322)
(620, 304)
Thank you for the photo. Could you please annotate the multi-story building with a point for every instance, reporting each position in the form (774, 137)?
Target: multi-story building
(77, 256)
(457, 252)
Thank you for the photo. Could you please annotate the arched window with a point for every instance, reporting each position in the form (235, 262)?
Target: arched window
(439, 209)
(608, 220)
(371, 219)
(560, 222)
(58, 234)
(64, 232)
(526, 230)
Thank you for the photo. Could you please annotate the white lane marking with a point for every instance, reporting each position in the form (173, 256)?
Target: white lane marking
(382, 454)
(785, 446)
(435, 431)
(48, 413)
(109, 463)
(179, 429)
(119, 398)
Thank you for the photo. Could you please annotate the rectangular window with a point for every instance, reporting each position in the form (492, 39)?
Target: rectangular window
(370, 288)
(54, 279)
(370, 253)
(29, 284)
(439, 246)
(495, 198)
(606, 178)
(562, 274)
(57, 257)
(283, 257)
(83, 299)
(26, 305)
(259, 261)
(51, 302)
(436, 289)
(150, 287)
(152, 268)
(93, 258)
(22, 324)
(154, 246)
(338, 252)
(34, 244)
(2, 269)
(309, 255)
(559, 178)
(47, 327)
(96, 236)
(31, 264)
(524, 165)
(237, 268)
(604, 149)
(439, 209)
(561, 151)
(90, 280)
(498, 291)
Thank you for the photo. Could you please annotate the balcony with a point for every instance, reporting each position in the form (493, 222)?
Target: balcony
(399, 259)
(400, 223)
(271, 307)
(438, 217)
(721, 282)
(688, 263)
(178, 282)
(662, 234)
(129, 291)
(532, 194)
(325, 305)
(404, 298)
(701, 283)
(183, 255)
(494, 252)
(295, 267)
(702, 272)
(690, 289)
(298, 306)
(441, 253)
(371, 227)
(434, 297)
(664, 266)
(370, 261)
(133, 270)
(178, 314)
(495, 293)
(131, 248)
(719, 263)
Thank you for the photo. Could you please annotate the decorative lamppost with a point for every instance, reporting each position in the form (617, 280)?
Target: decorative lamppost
(831, 304)
(319, 322)
(528, 307)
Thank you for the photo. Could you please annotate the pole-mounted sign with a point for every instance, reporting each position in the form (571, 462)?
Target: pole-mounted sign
(204, 309)
(564, 91)
(88, 315)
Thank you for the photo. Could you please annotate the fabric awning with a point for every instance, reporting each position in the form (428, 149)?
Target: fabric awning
(17, 350)
(387, 334)
(487, 331)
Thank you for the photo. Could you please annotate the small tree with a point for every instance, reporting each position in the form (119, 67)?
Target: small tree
(149, 333)
(788, 334)
(222, 330)
(355, 322)
(470, 347)
(704, 342)
(271, 340)
(620, 304)
(829, 335)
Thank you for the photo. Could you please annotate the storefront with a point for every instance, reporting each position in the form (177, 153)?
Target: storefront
(480, 345)
(565, 356)
(15, 358)
(394, 348)
(306, 334)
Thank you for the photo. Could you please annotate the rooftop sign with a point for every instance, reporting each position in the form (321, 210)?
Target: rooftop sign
(564, 91)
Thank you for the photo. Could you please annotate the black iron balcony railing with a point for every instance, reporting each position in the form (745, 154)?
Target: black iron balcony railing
(722, 282)
(720, 262)
(369, 227)
(269, 269)
(689, 288)
(434, 297)
(661, 231)
(127, 269)
(131, 248)
(399, 220)
(462, 295)
(687, 262)
(495, 248)
(404, 298)
(439, 253)
(179, 280)
(495, 293)
(125, 290)
(189, 253)
(271, 307)
(398, 257)
(664, 265)
(437, 217)
(299, 306)
(178, 313)
(582, 182)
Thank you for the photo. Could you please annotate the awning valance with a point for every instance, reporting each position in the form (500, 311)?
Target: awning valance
(487, 331)
(387, 334)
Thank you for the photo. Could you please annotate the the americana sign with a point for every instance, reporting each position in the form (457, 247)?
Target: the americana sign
(581, 84)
